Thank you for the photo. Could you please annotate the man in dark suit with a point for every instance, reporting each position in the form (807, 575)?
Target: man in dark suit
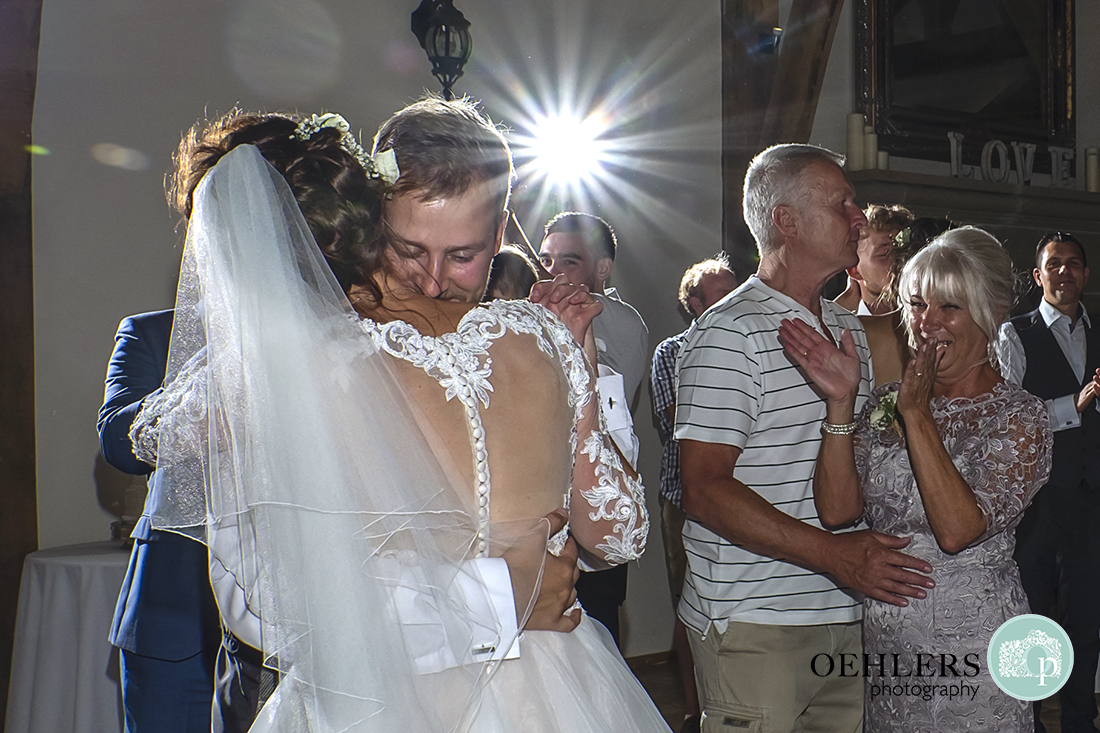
(166, 622)
(1055, 354)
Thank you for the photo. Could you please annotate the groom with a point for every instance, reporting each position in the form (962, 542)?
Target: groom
(444, 223)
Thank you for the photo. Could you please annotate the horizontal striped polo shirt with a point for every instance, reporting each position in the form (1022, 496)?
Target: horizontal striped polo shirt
(737, 387)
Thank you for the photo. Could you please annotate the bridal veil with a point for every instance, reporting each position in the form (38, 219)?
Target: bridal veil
(280, 423)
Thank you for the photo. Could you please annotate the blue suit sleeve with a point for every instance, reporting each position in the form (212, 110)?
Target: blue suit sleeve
(136, 369)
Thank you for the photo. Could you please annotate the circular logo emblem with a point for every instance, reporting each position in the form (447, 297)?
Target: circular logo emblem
(1030, 657)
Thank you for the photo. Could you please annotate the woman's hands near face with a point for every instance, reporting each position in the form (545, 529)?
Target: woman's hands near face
(920, 378)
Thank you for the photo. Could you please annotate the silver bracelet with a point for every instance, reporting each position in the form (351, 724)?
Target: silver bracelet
(834, 429)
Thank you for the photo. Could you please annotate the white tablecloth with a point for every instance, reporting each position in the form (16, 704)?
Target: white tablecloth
(64, 673)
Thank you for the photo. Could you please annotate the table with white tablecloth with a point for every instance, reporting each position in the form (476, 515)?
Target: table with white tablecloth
(64, 672)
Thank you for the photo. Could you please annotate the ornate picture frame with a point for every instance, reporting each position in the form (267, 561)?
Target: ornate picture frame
(982, 69)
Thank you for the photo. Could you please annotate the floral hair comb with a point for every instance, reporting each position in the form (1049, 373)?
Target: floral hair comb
(382, 166)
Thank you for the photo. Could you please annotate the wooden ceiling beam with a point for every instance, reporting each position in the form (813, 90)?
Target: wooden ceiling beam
(767, 97)
(804, 54)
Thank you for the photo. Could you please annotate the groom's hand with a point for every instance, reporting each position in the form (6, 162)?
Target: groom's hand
(558, 592)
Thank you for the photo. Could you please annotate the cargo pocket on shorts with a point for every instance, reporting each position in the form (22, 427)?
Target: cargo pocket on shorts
(733, 718)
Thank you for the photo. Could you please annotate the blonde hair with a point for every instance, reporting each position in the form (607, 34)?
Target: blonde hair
(966, 266)
(446, 147)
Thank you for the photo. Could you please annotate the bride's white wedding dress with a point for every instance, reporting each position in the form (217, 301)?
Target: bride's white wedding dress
(368, 469)
(511, 377)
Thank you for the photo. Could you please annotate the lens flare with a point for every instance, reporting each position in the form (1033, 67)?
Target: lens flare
(568, 157)
(120, 157)
(288, 50)
(566, 149)
(612, 113)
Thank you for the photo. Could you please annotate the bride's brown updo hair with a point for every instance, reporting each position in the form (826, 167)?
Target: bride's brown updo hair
(341, 204)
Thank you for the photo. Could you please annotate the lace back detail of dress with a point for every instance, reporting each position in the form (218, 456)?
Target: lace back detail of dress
(460, 362)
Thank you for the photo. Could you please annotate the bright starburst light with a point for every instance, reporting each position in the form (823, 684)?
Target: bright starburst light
(566, 150)
(567, 153)
(609, 113)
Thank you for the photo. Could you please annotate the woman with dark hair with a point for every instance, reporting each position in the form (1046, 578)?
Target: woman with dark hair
(167, 623)
(512, 275)
(340, 199)
(326, 457)
(950, 457)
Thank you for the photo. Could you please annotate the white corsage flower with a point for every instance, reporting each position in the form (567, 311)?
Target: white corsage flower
(885, 415)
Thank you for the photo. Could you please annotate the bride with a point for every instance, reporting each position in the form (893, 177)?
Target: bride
(375, 446)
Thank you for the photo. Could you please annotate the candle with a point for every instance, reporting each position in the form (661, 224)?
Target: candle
(883, 160)
(870, 149)
(855, 142)
(1092, 170)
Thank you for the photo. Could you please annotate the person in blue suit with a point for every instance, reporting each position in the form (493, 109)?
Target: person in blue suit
(166, 621)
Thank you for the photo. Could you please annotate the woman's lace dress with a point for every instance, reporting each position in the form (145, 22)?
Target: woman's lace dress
(1001, 444)
(506, 391)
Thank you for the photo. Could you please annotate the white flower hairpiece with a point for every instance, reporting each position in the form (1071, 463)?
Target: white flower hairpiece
(382, 166)
(385, 163)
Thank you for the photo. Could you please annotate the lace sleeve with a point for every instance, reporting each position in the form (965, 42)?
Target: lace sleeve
(171, 432)
(170, 418)
(616, 499)
(146, 428)
(616, 524)
(1006, 465)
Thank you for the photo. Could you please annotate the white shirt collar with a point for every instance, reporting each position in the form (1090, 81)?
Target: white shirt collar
(1051, 314)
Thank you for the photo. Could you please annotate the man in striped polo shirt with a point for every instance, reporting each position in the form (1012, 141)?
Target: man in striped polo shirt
(768, 588)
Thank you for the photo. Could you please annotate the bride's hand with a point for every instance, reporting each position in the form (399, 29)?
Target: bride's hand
(836, 371)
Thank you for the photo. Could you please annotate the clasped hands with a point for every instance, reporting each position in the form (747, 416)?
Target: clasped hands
(1089, 392)
(573, 304)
